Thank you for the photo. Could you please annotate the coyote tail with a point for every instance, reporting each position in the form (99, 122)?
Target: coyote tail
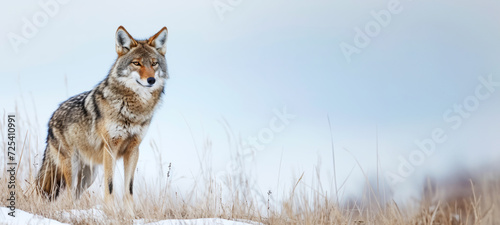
(50, 179)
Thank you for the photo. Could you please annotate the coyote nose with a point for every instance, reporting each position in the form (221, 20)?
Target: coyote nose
(151, 80)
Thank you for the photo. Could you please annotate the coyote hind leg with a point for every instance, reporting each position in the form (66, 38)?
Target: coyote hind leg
(86, 177)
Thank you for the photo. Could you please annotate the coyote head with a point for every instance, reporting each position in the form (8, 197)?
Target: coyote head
(141, 64)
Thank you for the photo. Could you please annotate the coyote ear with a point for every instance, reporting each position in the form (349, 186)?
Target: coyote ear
(159, 41)
(124, 42)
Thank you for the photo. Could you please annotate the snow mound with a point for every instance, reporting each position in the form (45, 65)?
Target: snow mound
(214, 221)
(24, 218)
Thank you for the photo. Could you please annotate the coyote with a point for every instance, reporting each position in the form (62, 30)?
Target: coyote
(106, 123)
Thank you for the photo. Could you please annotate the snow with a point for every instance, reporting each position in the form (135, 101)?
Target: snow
(22, 218)
(215, 221)
(95, 214)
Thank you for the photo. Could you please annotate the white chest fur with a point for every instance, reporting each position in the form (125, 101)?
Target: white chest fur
(119, 130)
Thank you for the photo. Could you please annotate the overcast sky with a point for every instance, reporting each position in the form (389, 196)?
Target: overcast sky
(411, 70)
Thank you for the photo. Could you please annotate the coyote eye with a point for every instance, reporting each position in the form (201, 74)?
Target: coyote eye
(136, 63)
(154, 64)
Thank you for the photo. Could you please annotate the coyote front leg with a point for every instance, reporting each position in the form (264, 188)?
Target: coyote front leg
(129, 163)
(109, 159)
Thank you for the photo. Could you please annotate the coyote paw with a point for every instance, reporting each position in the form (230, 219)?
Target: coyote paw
(129, 206)
(109, 204)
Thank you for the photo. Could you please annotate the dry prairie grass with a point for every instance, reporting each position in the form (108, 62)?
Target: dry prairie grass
(468, 199)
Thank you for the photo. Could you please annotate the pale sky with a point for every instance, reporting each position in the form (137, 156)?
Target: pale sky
(259, 56)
